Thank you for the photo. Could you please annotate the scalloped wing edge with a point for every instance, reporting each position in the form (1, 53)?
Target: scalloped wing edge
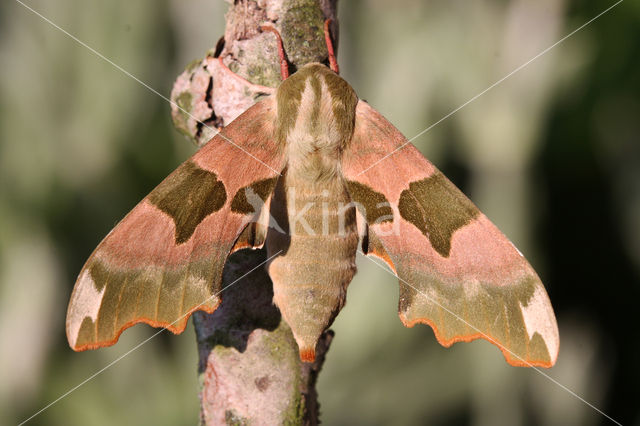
(509, 356)
(177, 327)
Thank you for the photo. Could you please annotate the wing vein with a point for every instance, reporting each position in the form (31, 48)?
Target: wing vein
(117, 310)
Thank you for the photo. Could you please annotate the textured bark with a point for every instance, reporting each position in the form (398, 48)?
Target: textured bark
(250, 370)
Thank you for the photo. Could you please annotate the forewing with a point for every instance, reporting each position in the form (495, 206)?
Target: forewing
(164, 260)
(458, 272)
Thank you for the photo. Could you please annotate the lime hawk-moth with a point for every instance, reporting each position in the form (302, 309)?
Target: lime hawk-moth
(314, 174)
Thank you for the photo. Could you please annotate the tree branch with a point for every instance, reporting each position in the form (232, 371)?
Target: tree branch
(250, 370)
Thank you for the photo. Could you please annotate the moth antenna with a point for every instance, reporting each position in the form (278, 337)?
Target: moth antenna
(284, 64)
(333, 63)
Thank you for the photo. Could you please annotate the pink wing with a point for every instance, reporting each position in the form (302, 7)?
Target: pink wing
(458, 273)
(164, 260)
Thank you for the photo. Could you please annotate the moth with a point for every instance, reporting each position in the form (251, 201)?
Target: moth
(314, 174)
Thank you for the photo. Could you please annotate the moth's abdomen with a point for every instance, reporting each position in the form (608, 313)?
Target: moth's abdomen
(318, 243)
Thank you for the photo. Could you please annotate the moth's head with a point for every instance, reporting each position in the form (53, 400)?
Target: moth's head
(315, 103)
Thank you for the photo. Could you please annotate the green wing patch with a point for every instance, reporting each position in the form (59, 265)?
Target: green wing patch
(158, 296)
(262, 188)
(437, 208)
(377, 208)
(188, 196)
(465, 311)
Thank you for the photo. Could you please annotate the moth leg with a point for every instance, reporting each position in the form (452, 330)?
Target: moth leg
(333, 63)
(284, 64)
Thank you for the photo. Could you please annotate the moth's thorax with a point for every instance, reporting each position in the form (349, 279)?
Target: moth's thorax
(316, 113)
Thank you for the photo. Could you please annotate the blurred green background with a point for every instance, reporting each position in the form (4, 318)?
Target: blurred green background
(552, 156)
